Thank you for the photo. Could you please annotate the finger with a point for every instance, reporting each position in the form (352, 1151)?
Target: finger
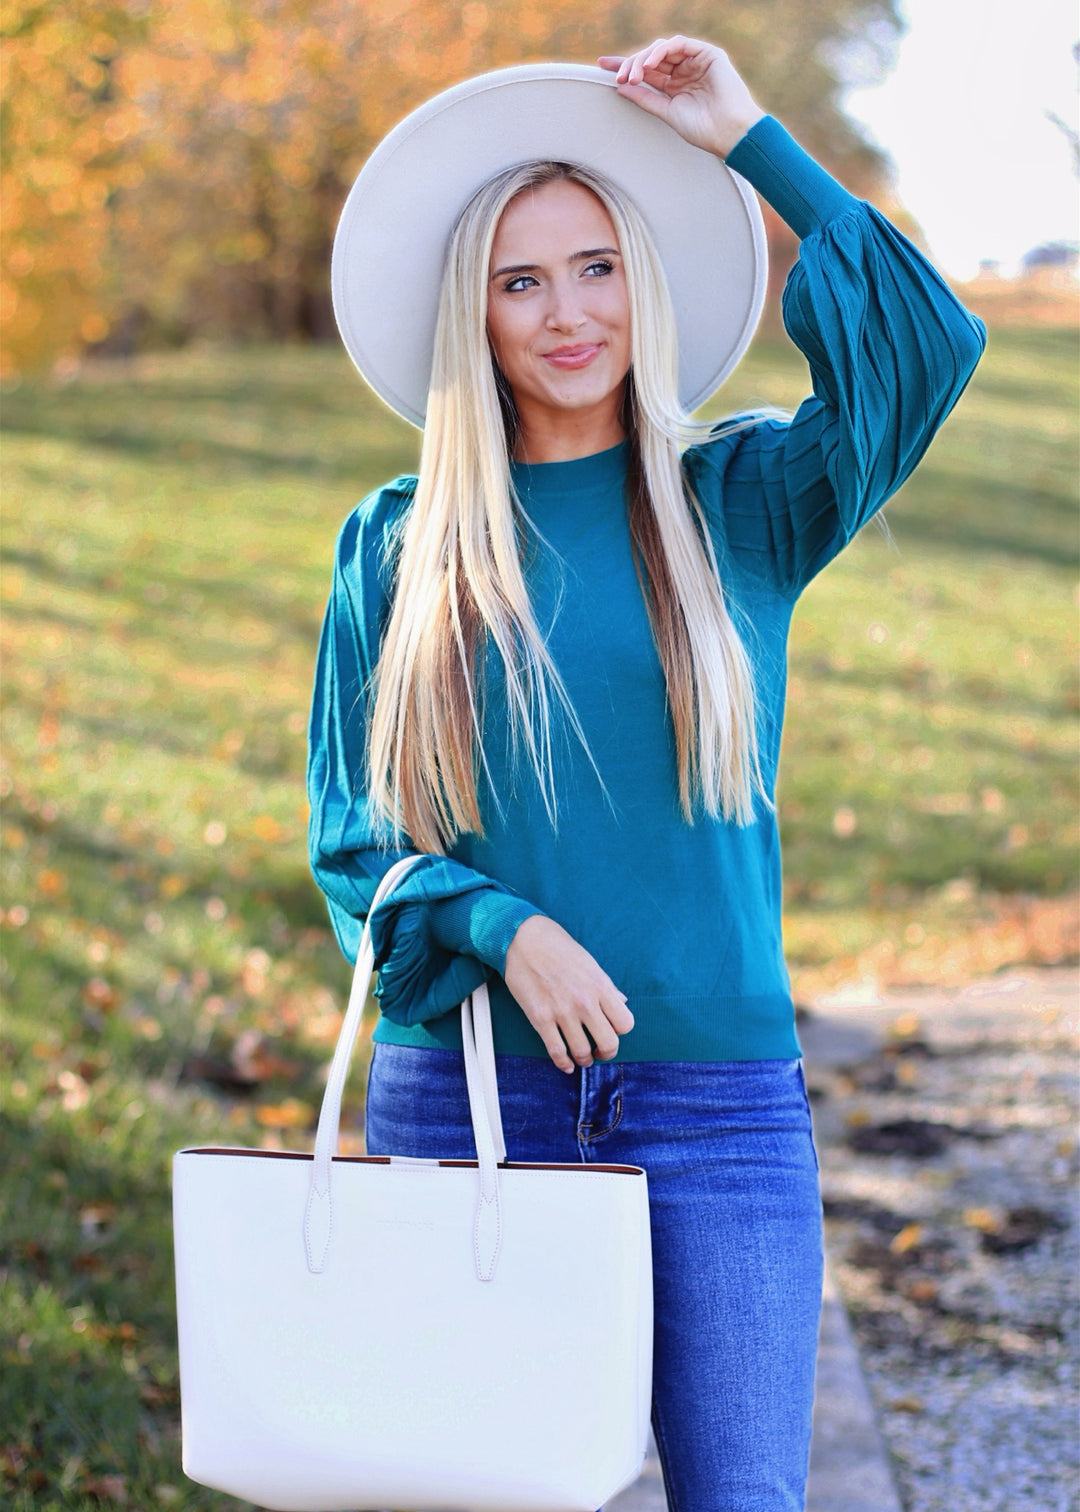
(603, 1036)
(669, 54)
(668, 49)
(630, 63)
(548, 1030)
(617, 1013)
(636, 74)
(576, 1039)
(553, 1041)
(674, 49)
(648, 98)
(610, 63)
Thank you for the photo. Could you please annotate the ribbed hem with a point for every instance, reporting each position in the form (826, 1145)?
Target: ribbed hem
(665, 1029)
(803, 193)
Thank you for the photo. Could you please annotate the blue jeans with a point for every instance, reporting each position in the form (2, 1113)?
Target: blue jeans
(736, 1220)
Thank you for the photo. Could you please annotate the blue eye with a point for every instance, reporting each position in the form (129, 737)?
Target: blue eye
(604, 267)
(516, 283)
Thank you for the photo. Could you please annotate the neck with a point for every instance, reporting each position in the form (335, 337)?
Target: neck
(562, 435)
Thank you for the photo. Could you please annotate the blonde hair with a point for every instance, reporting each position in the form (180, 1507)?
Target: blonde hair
(459, 572)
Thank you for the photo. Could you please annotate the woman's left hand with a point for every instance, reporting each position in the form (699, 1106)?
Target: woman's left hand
(691, 85)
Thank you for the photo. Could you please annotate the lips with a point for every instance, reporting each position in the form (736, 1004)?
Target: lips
(570, 357)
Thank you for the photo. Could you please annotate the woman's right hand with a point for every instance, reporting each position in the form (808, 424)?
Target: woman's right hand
(563, 991)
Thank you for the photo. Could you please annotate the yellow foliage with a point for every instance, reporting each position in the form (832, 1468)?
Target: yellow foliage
(193, 156)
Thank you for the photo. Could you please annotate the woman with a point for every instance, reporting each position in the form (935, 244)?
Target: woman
(553, 663)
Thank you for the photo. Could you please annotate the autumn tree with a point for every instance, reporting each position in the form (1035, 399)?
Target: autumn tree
(177, 166)
(63, 128)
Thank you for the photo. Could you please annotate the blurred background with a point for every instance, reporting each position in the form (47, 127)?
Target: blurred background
(175, 170)
(183, 437)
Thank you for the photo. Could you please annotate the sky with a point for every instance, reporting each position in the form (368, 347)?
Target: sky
(962, 115)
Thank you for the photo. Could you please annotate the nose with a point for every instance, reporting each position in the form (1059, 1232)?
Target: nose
(564, 311)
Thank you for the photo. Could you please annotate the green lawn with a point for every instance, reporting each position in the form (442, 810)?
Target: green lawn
(168, 534)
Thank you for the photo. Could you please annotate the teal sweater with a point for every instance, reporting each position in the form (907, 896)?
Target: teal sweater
(685, 919)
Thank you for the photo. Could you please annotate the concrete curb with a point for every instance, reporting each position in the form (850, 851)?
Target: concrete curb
(849, 1463)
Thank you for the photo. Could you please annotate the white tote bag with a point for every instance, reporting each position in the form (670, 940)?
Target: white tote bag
(374, 1331)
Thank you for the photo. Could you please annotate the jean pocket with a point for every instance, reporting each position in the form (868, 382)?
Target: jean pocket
(809, 1114)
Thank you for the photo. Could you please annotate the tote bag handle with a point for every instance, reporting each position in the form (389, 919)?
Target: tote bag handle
(479, 1047)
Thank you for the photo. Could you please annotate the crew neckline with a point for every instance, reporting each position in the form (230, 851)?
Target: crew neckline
(599, 469)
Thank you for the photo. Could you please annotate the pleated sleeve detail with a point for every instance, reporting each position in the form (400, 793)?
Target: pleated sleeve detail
(890, 350)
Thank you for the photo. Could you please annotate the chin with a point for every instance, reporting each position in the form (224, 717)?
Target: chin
(582, 396)
(574, 402)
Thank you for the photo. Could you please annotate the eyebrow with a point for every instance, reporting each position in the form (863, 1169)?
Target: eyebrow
(574, 257)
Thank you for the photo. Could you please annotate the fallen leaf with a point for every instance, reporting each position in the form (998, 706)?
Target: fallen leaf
(95, 1214)
(98, 994)
(984, 1219)
(857, 1117)
(907, 1238)
(13, 1458)
(106, 1488)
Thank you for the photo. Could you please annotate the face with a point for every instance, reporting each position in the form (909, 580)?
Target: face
(558, 310)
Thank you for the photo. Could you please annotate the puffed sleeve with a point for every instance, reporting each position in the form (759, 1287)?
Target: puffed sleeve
(445, 927)
(890, 350)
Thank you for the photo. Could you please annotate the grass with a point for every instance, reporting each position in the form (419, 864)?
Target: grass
(168, 534)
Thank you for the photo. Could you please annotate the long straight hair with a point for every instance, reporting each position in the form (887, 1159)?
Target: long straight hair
(459, 576)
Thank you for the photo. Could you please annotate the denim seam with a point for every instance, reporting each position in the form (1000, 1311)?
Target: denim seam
(582, 1101)
(810, 1116)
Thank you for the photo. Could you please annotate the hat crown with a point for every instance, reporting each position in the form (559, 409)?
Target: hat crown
(390, 246)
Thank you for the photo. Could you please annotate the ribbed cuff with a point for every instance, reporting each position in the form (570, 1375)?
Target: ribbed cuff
(480, 923)
(801, 192)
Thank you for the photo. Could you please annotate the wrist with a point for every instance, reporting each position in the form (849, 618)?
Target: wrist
(737, 129)
(530, 920)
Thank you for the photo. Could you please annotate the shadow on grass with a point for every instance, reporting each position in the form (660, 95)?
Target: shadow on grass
(126, 584)
(90, 1384)
(990, 516)
(295, 895)
(164, 428)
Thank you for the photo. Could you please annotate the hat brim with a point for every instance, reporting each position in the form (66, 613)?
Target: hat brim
(391, 240)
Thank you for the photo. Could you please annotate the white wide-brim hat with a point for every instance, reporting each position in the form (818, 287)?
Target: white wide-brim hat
(391, 242)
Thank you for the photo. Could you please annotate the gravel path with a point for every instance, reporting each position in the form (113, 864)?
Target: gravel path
(946, 1123)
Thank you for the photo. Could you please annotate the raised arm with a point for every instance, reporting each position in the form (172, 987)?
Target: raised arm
(890, 347)
(445, 927)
